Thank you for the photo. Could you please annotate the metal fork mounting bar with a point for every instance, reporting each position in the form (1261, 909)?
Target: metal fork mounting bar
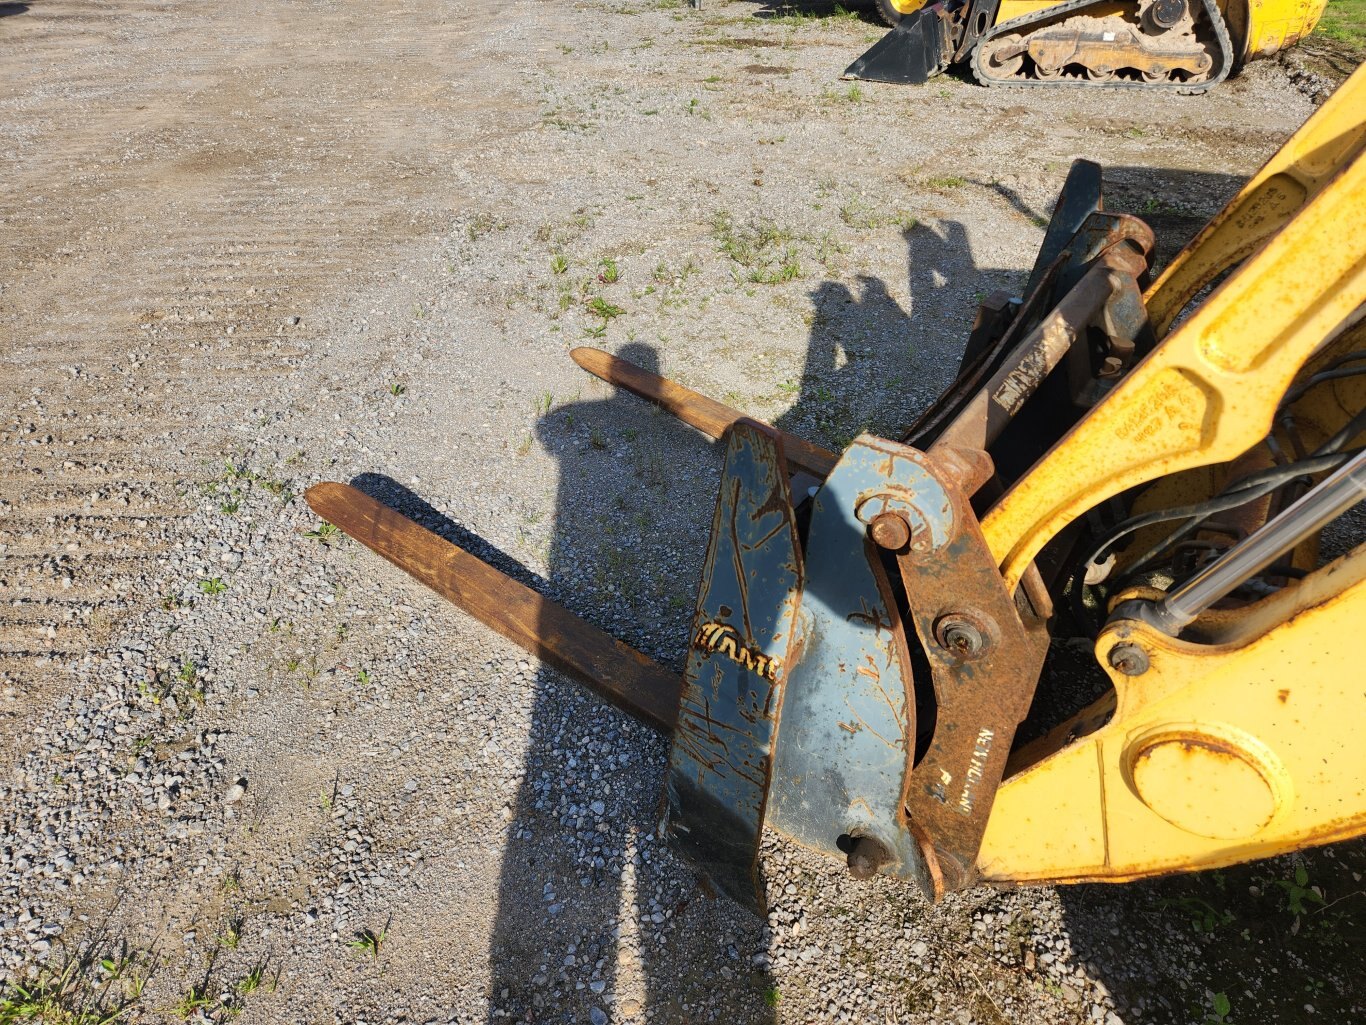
(744, 640)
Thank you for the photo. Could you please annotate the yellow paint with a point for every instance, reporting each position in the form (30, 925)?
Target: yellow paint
(1296, 174)
(1292, 697)
(1210, 779)
(1208, 392)
(1241, 741)
(1015, 8)
(1275, 24)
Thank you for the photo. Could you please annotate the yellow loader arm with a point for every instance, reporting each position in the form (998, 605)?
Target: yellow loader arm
(1239, 739)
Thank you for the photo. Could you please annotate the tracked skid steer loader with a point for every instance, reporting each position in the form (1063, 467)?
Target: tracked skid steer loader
(1183, 45)
(1143, 469)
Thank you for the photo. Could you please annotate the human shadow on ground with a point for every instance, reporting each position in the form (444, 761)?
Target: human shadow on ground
(7, 9)
(596, 919)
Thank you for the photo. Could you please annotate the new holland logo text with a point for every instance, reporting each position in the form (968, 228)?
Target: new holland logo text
(723, 639)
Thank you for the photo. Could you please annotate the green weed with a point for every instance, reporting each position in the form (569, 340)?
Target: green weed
(324, 533)
(1204, 917)
(604, 309)
(1219, 1008)
(859, 213)
(192, 1001)
(482, 224)
(766, 250)
(250, 982)
(790, 14)
(368, 941)
(1298, 893)
(64, 998)
(945, 182)
(232, 935)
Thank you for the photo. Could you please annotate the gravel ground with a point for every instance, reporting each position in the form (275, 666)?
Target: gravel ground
(255, 771)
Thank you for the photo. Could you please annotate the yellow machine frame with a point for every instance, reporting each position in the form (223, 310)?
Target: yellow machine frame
(1241, 744)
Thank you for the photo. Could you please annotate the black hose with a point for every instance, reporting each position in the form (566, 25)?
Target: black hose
(1252, 487)
(1328, 373)
(1249, 489)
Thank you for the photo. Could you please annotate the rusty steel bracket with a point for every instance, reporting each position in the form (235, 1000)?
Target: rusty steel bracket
(744, 640)
(1087, 273)
(985, 652)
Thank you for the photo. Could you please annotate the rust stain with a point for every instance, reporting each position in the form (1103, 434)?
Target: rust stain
(870, 671)
(1191, 746)
(864, 725)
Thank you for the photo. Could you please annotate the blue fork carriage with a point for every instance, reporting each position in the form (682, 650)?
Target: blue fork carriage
(857, 668)
(799, 707)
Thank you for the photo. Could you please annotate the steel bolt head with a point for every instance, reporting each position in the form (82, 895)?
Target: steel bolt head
(890, 530)
(1129, 659)
(960, 636)
(867, 858)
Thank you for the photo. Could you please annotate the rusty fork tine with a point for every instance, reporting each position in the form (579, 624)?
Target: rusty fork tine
(710, 417)
(630, 680)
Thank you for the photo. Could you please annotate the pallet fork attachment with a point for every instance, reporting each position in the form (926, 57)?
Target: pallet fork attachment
(868, 639)
(797, 704)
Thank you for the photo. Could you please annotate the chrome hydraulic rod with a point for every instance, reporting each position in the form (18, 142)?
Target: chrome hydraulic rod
(1321, 504)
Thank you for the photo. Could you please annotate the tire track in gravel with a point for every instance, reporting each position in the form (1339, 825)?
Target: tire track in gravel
(164, 240)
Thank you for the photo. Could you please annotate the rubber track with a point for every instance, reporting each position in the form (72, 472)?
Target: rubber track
(1078, 6)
